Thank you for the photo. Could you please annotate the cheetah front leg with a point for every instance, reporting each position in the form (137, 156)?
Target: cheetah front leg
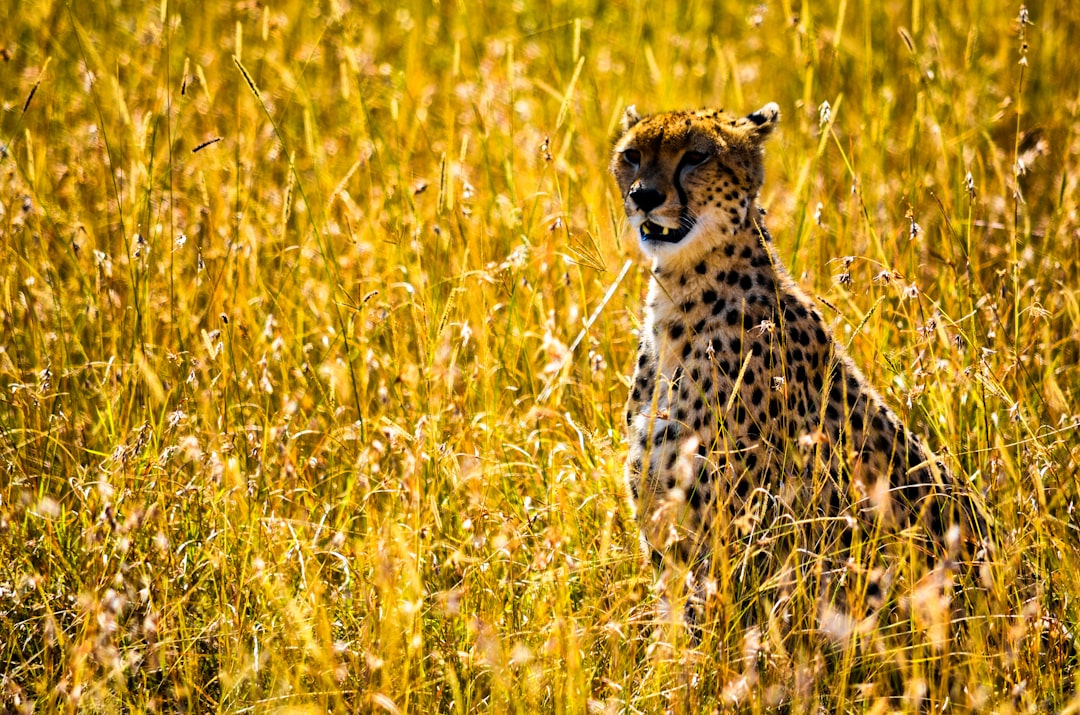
(663, 461)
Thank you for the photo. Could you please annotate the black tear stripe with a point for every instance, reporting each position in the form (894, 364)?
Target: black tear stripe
(685, 222)
(683, 198)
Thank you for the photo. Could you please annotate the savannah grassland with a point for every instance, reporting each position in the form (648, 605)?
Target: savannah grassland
(326, 415)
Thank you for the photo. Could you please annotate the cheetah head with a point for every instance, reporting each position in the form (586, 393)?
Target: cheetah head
(686, 176)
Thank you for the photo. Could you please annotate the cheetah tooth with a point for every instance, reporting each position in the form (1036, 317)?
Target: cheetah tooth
(666, 229)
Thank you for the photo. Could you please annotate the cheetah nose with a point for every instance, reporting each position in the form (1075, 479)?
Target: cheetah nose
(646, 199)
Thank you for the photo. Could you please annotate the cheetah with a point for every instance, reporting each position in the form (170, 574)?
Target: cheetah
(744, 412)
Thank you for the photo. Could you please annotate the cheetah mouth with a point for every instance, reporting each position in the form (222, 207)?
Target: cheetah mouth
(655, 232)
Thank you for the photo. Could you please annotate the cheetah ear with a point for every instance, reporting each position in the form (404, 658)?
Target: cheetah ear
(630, 117)
(762, 122)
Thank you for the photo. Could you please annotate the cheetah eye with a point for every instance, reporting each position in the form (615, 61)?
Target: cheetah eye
(695, 158)
(632, 157)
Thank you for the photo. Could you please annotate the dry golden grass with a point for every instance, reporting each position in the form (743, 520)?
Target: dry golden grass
(312, 383)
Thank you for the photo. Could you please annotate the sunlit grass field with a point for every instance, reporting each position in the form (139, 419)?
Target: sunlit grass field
(317, 320)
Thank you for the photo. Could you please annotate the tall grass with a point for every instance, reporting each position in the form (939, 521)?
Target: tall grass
(316, 335)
